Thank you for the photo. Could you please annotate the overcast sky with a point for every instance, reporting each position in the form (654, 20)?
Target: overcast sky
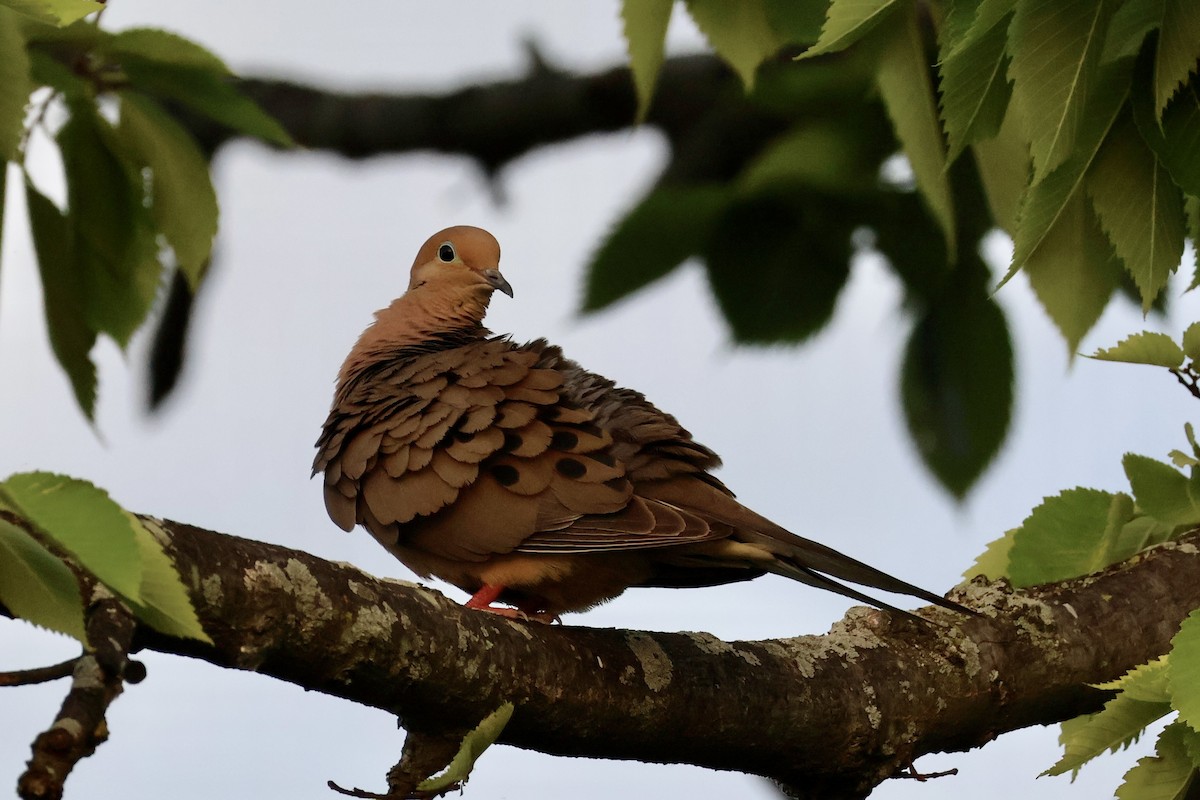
(310, 245)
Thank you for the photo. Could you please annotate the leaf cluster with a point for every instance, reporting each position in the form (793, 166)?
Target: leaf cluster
(1069, 125)
(79, 529)
(1081, 531)
(139, 197)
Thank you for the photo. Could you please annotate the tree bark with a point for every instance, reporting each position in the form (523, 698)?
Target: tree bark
(699, 106)
(830, 716)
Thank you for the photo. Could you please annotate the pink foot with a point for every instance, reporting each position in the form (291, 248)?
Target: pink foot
(482, 601)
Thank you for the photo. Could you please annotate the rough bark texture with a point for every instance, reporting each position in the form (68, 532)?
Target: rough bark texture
(834, 714)
(96, 680)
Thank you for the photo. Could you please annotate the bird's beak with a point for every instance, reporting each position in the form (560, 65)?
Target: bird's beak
(496, 281)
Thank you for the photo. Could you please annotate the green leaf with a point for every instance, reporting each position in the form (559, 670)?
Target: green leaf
(184, 204)
(847, 21)
(1131, 23)
(1046, 200)
(15, 84)
(1183, 673)
(777, 264)
(1160, 490)
(63, 294)
(1191, 342)
(162, 47)
(208, 92)
(967, 22)
(37, 586)
(1004, 168)
(84, 520)
(825, 154)
(667, 227)
(1164, 776)
(48, 70)
(1178, 49)
(1139, 533)
(1189, 432)
(165, 604)
(1191, 743)
(1074, 272)
(907, 92)
(992, 563)
(1073, 533)
(54, 12)
(957, 385)
(113, 250)
(796, 23)
(1182, 459)
(1122, 720)
(1140, 209)
(472, 747)
(1055, 47)
(1174, 140)
(1145, 682)
(645, 25)
(975, 88)
(1147, 347)
(740, 33)
(909, 238)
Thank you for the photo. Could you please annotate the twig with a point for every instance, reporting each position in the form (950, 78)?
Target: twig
(921, 777)
(29, 677)
(1189, 378)
(80, 726)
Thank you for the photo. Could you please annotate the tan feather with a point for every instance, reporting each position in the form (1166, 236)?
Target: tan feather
(478, 418)
(529, 440)
(454, 472)
(474, 447)
(516, 415)
(523, 476)
(416, 494)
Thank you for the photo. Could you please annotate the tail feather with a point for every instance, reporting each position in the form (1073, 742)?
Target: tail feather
(816, 579)
(811, 577)
(793, 556)
(810, 556)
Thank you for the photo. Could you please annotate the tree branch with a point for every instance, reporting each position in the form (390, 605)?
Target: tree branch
(97, 679)
(833, 714)
(699, 105)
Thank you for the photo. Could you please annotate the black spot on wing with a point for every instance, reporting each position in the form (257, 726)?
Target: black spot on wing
(570, 468)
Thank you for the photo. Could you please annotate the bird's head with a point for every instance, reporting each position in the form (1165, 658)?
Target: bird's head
(461, 265)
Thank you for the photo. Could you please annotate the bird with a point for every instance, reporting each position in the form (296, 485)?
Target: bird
(534, 485)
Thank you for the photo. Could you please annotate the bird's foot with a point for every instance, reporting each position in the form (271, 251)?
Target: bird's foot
(482, 601)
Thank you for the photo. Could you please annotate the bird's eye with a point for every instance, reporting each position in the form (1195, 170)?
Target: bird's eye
(446, 252)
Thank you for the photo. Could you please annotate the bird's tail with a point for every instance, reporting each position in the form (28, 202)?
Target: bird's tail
(817, 565)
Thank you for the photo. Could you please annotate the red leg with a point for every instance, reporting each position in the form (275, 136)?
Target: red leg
(484, 598)
(482, 601)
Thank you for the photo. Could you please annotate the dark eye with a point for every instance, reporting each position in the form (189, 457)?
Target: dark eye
(446, 252)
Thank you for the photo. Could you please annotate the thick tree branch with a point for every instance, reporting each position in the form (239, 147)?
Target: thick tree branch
(699, 106)
(834, 714)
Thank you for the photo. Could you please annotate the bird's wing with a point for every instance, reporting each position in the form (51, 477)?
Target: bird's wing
(490, 448)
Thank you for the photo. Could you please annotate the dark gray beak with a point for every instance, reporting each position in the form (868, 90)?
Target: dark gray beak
(496, 281)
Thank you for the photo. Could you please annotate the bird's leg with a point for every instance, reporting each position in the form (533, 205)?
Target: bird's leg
(482, 601)
(486, 595)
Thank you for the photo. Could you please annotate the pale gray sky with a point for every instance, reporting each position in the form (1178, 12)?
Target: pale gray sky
(311, 245)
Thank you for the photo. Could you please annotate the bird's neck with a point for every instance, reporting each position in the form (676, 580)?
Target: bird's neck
(415, 321)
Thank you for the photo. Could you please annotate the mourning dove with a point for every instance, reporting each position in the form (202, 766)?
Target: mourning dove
(515, 474)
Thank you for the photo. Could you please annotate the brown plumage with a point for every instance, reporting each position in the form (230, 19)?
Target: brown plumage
(517, 475)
